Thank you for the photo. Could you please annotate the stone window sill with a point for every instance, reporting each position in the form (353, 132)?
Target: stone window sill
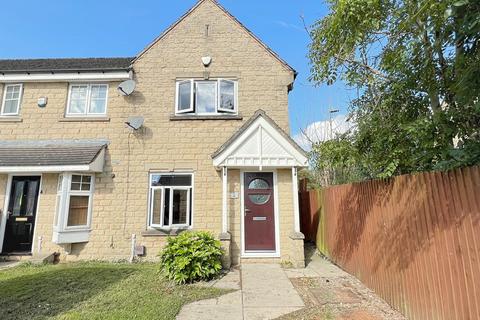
(10, 119)
(162, 233)
(85, 119)
(174, 117)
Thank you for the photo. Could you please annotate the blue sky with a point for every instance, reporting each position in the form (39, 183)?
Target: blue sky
(106, 28)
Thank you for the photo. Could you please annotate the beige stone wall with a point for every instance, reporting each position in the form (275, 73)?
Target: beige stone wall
(121, 193)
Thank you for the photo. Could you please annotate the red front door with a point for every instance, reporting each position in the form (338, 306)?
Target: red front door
(259, 215)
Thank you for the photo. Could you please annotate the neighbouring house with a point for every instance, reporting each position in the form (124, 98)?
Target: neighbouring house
(103, 158)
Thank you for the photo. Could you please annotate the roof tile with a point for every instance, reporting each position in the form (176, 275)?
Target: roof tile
(63, 64)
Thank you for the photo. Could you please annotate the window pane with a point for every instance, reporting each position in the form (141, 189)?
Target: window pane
(78, 99)
(166, 208)
(206, 97)
(78, 211)
(259, 198)
(98, 92)
(184, 95)
(85, 186)
(180, 206)
(86, 183)
(19, 187)
(97, 106)
(167, 180)
(98, 99)
(227, 95)
(157, 206)
(75, 186)
(258, 184)
(31, 197)
(11, 106)
(60, 183)
(57, 212)
(81, 182)
(13, 92)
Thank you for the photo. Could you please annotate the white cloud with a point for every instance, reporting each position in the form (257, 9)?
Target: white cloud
(287, 25)
(322, 131)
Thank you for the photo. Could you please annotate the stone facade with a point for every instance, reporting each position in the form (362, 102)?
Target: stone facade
(120, 203)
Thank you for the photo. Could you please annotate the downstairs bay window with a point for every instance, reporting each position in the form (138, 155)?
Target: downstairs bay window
(73, 208)
(171, 201)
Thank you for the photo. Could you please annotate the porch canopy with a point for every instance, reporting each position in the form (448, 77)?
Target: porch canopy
(52, 156)
(260, 144)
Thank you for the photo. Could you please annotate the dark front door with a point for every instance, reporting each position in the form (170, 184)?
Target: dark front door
(259, 213)
(22, 207)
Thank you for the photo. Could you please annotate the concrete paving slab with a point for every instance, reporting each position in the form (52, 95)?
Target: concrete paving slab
(266, 293)
(8, 264)
(251, 313)
(266, 285)
(301, 273)
(228, 306)
(230, 281)
(326, 269)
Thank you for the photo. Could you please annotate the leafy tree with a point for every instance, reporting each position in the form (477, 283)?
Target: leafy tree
(416, 66)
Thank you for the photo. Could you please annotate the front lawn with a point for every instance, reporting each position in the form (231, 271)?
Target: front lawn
(93, 291)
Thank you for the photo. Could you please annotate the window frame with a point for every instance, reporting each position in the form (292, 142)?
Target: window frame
(190, 207)
(20, 95)
(195, 83)
(235, 96)
(193, 94)
(177, 97)
(87, 113)
(65, 192)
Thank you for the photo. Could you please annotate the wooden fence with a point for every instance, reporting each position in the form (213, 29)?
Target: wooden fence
(414, 239)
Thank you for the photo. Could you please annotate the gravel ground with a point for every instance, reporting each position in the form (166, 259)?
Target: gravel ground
(331, 293)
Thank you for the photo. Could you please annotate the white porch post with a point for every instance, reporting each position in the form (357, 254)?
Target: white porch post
(224, 200)
(296, 210)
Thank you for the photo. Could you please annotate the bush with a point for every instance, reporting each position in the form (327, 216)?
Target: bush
(191, 256)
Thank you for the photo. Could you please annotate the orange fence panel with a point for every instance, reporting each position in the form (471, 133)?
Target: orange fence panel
(413, 239)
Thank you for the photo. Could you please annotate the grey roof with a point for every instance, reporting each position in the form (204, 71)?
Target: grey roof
(49, 152)
(258, 113)
(57, 65)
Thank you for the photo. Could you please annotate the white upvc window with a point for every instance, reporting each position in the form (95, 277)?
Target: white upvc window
(206, 97)
(87, 100)
(171, 196)
(12, 96)
(74, 202)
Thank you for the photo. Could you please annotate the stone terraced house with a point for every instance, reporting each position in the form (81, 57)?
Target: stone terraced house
(103, 158)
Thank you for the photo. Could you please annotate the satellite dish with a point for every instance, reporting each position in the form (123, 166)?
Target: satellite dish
(135, 122)
(126, 87)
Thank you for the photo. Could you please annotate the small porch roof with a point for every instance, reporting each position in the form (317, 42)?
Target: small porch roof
(52, 156)
(260, 142)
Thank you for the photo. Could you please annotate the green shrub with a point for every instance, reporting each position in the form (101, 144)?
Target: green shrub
(191, 256)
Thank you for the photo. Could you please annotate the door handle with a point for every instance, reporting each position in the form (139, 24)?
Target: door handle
(247, 211)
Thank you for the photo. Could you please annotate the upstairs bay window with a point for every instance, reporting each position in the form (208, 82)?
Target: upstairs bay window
(12, 96)
(171, 200)
(87, 100)
(206, 97)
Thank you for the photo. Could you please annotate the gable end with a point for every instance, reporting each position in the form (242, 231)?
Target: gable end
(235, 20)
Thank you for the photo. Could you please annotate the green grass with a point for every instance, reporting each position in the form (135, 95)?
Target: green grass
(93, 291)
